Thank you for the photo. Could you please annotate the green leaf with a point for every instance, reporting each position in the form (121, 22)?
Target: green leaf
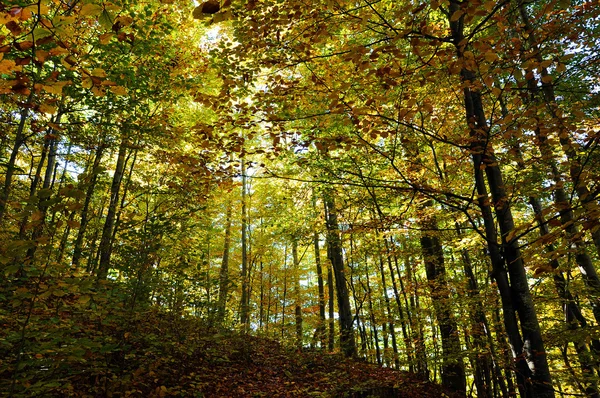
(105, 20)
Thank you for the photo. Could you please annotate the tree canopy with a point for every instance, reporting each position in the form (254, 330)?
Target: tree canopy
(189, 188)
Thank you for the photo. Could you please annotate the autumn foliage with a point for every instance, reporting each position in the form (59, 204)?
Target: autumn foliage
(291, 198)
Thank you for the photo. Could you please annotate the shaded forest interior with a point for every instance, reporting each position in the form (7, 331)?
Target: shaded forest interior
(290, 198)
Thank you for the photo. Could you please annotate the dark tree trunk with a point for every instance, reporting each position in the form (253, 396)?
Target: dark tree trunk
(105, 249)
(297, 297)
(372, 316)
(453, 370)
(483, 156)
(570, 148)
(330, 305)
(390, 315)
(224, 271)
(11, 164)
(334, 249)
(321, 334)
(407, 342)
(245, 300)
(92, 177)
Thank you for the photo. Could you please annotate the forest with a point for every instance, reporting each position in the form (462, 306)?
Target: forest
(280, 198)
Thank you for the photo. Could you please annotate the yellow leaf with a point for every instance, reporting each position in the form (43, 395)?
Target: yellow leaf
(456, 16)
(197, 13)
(491, 56)
(105, 38)
(124, 20)
(560, 68)
(223, 16)
(56, 88)
(87, 82)
(63, 20)
(98, 72)
(547, 79)
(47, 108)
(91, 10)
(7, 66)
(58, 51)
(98, 92)
(118, 90)
(39, 6)
(510, 236)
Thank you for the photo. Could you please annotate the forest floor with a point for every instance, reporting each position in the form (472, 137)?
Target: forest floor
(157, 354)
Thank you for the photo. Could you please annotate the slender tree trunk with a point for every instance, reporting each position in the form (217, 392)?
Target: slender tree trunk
(390, 315)
(407, 343)
(372, 314)
(479, 330)
(125, 192)
(245, 300)
(261, 310)
(330, 305)
(284, 301)
(334, 249)
(270, 288)
(11, 164)
(321, 333)
(37, 177)
(570, 148)
(483, 156)
(105, 249)
(500, 275)
(573, 316)
(224, 271)
(416, 326)
(45, 192)
(453, 370)
(297, 297)
(92, 177)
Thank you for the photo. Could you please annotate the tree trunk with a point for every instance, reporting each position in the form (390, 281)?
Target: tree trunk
(245, 300)
(483, 156)
(372, 315)
(224, 271)
(11, 164)
(479, 330)
(570, 148)
(92, 175)
(453, 370)
(105, 249)
(330, 305)
(390, 315)
(334, 249)
(407, 343)
(45, 193)
(297, 297)
(416, 326)
(321, 334)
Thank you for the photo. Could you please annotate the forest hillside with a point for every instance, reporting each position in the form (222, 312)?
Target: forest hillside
(296, 198)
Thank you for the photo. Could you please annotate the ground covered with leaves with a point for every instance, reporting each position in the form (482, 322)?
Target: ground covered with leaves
(85, 345)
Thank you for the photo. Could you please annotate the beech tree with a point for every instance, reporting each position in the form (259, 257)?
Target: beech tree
(409, 184)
